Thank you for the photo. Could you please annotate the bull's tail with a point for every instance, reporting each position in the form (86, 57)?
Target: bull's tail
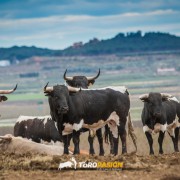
(131, 131)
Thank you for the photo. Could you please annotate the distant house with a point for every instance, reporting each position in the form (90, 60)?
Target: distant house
(4, 63)
(77, 44)
(166, 71)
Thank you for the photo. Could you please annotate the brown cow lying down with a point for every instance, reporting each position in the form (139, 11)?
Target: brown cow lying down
(19, 145)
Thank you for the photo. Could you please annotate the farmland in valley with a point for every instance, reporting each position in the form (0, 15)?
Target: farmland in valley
(140, 73)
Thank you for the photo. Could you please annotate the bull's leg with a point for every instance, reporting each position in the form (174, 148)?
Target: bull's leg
(91, 140)
(100, 140)
(111, 143)
(109, 138)
(122, 133)
(150, 141)
(76, 140)
(66, 141)
(116, 142)
(160, 141)
(69, 139)
(175, 139)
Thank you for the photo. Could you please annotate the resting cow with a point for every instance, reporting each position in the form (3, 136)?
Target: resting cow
(159, 114)
(37, 128)
(75, 108)
(19, 145)
(85, 82)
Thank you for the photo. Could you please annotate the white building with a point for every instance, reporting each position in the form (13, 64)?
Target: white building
(4, 63)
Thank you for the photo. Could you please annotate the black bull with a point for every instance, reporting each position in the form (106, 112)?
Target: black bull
(37, 128)
(159, 114)
(4, 98)
(85, 82)
(75, 109)
(80, 81)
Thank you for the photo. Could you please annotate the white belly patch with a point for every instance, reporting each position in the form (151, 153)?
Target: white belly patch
(112, 121)
(171, 127)
(113, 124)
(68, 129)
(157, 127)
(147, 129)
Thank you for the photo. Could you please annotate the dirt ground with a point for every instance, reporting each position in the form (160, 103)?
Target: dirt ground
(13, 166)
(136, 166)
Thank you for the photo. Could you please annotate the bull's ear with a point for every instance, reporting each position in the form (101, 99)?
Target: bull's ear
(144, 97)
(165, 99)
(3, 98)
(91, 82)
(165, 96)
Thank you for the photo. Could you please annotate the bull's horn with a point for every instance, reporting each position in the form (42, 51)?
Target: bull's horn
(8, 91)
(48, 89)
(143, 96)
(73, 89)
(166, 95)
(67, 78)
(92, 78)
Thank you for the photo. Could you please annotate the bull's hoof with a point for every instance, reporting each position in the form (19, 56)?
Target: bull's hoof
(91, 153)
(101, 152)
(111, 151)
(76, 153)
(66, 153)
(124, 152)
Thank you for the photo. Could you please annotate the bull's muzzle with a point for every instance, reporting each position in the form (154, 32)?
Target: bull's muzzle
(63, 110)
(157, 114)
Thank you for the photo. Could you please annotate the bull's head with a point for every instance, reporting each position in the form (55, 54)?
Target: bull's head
(4, 98)
(80, 81)
(59, 95)
(153, 103)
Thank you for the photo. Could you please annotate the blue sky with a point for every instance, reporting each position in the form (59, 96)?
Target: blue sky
(57, 24)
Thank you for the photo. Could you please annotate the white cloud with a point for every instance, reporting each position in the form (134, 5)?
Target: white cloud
(58, 32)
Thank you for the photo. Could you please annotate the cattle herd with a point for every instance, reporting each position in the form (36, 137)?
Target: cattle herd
(75, 109)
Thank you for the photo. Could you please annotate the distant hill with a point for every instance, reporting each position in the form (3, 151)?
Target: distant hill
(121, 43)
(131, 42)
(23, 52)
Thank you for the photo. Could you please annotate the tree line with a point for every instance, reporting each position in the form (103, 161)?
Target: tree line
(121, 43)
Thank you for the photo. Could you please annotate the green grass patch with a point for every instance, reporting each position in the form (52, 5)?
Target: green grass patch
(26, 96)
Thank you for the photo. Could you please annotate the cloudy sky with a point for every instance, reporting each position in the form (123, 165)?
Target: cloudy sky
(57, 24)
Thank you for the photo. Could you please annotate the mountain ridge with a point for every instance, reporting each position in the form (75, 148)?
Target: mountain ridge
(119, 44)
